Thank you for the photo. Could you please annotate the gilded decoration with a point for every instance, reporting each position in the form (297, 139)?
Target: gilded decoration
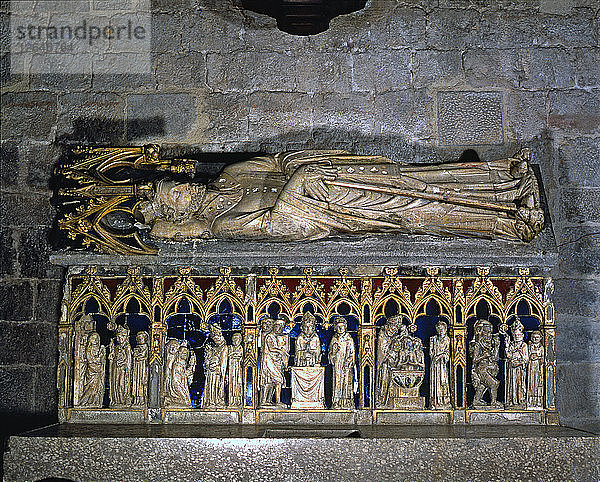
(248, 344)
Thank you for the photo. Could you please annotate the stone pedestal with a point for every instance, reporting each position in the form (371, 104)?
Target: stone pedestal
(108, 452)
(405, 391)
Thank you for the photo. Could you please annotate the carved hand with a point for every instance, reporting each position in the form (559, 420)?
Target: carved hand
(309, 180)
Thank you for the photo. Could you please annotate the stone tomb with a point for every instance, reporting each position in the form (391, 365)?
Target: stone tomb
(180, 291)
(283, 348)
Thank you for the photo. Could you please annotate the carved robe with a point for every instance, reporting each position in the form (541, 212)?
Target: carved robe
(535, 376)
(139, 385)
(440, 356)
(181, 378)
(215, 369)
(385, 358)
(250, 199)
(120, 374)
(235, 376)
(94, 376)
(273, 360)
(341, 357)
(516, 373)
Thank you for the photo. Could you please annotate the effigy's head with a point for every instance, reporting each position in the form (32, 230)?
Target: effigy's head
(173, 201)
(236, 338)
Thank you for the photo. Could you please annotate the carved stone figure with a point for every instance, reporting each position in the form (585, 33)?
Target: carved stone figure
(407, 367)
(139, 380)
(439, 350)
(386, 359)
(120, 369)
(275, 354)
(517, 357)
(235, 373)
(92, 391)
(484, 352)
(313, 194)
(179, 371)
(535, 372)
(171, 349)
(308, 377)
(308, 345)
(215, 370)
(341, 357)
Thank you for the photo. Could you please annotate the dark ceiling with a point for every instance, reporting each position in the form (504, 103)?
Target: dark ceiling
(303, 17)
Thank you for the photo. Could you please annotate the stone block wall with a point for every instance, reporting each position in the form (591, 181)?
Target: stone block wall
(414, 80)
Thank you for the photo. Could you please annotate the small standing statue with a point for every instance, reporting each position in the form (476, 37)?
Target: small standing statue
(274, 359)
(171, 349)
(139, 381)
(341, 357)
(385, 359)
(440, 356)
(215, 370)
(484, 349)
(236, 380)
(93, 374)
(120, 369)
(535, 372)
(516, 367)
(308, 345)
(182, 375)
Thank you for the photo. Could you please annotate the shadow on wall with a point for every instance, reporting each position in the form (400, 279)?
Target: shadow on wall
(234, 13)
(98, 131)
(107, 132)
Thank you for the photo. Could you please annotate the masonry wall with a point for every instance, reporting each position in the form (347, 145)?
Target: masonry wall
(521, 73)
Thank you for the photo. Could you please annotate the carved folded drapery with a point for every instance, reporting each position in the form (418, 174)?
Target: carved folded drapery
(124, 200)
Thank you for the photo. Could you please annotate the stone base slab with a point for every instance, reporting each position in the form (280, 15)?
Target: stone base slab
(487, 417)
(306, 417)
(156, 453)
(391, 417)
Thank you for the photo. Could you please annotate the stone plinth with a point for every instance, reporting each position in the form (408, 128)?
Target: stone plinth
(80, 452)
(356, 251)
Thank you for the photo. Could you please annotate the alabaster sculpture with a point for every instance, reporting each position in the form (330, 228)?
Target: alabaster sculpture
(308, 376)
(92, 383)
(235, 375)
(119, 356)
(535, 372)
(308, 195)
(439, 351)
(139, 373)
(178, 373)
(215, 369)
(341, 357)
(484, 349)
(274, 360)
(517, 357)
